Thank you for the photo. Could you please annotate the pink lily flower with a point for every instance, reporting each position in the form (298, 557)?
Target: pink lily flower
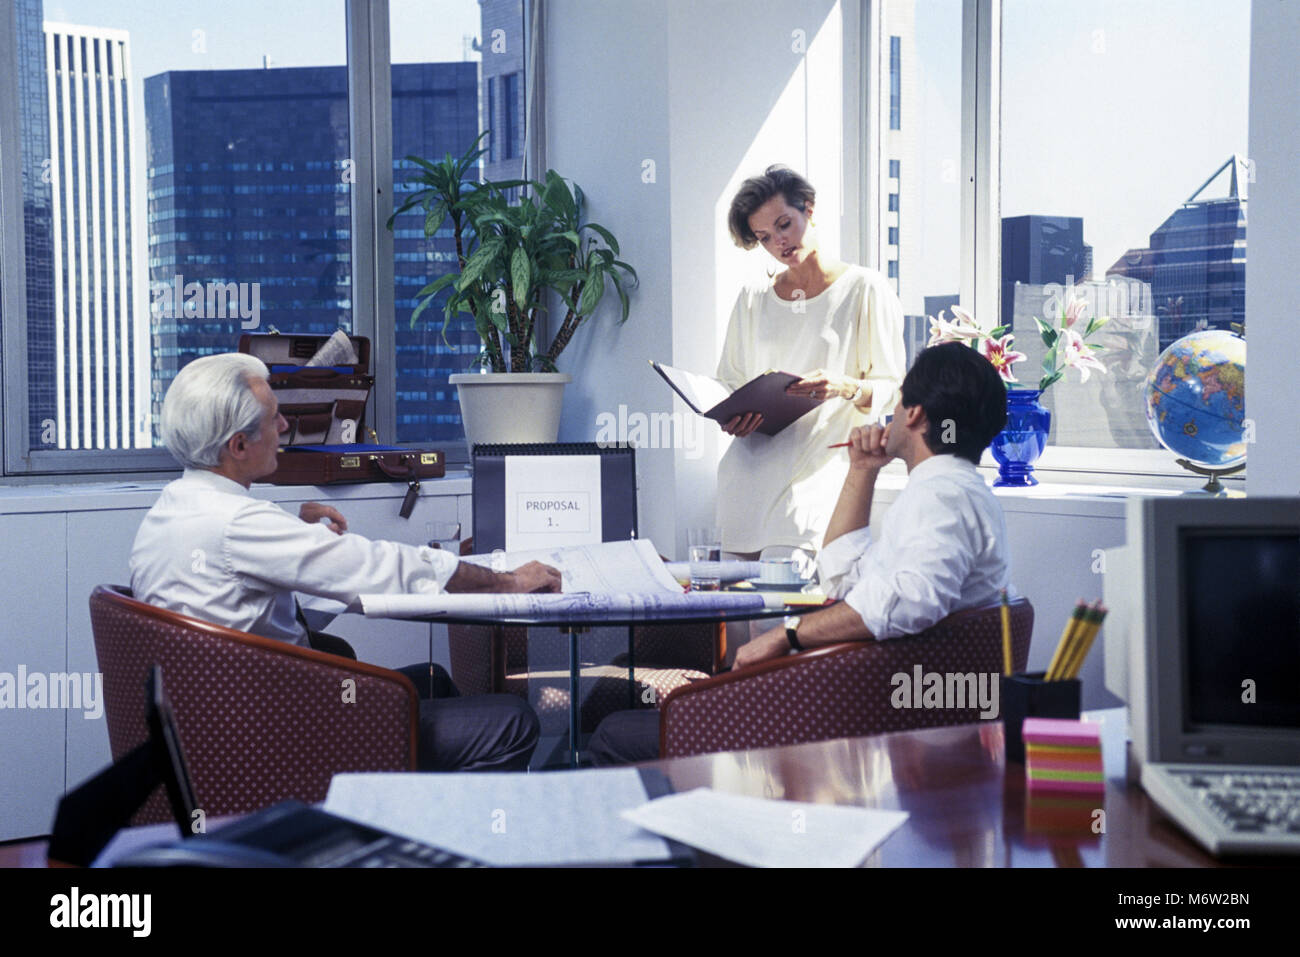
(998, 352)
(1075, 354)
(1076, 311)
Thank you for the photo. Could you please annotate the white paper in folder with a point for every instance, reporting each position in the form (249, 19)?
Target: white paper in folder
(552, 500)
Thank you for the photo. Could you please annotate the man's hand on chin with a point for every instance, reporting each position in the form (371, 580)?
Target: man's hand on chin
(770, 644)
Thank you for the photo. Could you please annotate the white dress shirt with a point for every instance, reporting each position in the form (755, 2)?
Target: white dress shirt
(779, 490)
(210, 550)
(941, 547)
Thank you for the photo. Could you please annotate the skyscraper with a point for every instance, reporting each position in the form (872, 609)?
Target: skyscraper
(1039, 250)
(98, 347)
(250, 222)
(1196, 259)
(34, 124)
(902, 242)
(502, 95)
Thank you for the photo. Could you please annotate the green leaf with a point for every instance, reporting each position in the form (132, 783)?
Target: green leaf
(435, 217)
(520, 276)
(605, 234)
(622, 297)
(437, 286)
(591, 293)
(478, 263)
(998, 332)
(1095, 323)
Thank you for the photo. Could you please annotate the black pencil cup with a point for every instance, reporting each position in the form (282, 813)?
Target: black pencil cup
(1029, 696)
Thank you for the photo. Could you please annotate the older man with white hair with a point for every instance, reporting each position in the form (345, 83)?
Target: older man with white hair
(211, 550)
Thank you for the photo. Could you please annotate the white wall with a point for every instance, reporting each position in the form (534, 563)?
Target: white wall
(709, 94)
(1273, 249)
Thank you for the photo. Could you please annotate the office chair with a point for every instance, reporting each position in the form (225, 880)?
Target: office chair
(261, 720)
(838, 691)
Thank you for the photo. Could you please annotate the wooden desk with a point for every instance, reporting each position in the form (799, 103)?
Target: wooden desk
(967, 807)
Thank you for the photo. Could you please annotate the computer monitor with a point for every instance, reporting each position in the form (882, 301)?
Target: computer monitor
(1203, 638)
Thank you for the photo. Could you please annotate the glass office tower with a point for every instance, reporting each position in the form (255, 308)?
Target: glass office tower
(1196, 260)
(249, 215)
(38, 224)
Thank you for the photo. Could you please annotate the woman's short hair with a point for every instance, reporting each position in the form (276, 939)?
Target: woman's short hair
(757, 190)
(209, 402)
(963, 398)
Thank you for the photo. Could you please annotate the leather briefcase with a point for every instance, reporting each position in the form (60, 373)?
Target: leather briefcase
(333, 464)
(322, 404)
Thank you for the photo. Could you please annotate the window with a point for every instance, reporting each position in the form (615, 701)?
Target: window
(893, 269)
(893, 169)
(895, 82)
(893, 202)
(437, 85)
(187, 180)
(158, 172)
(1156, 239)
(893, 235)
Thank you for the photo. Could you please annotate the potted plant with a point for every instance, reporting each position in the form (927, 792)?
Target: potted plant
(1022, 441)
(513, 260)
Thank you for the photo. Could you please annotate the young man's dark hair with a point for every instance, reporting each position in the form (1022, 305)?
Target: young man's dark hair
(963, 397)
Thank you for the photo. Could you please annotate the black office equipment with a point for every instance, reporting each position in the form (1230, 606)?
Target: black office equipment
(617, 489)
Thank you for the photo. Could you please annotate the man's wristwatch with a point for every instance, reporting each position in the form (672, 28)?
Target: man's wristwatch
(792, 632)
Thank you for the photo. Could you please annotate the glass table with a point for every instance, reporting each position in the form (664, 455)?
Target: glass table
(582, 624)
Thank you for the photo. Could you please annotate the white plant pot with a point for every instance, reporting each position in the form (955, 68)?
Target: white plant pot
(501, 407)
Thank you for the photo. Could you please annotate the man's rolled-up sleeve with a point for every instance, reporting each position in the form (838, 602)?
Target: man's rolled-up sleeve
(265, 543)
(920, 580)
(837, 562)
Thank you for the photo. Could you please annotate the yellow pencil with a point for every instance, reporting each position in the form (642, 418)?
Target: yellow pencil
(1070, 625)
(1006, 634)
(1076, 643)
(1098, 615)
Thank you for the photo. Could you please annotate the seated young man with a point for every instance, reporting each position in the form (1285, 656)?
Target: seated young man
(210, 550)
(941, 546)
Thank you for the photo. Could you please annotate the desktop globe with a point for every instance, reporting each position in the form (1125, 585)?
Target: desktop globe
(1196, 402)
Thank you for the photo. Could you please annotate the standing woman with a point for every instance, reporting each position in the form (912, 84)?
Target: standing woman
(840, 327)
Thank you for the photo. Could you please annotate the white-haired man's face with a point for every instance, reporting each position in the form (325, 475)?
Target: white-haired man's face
(250, 459)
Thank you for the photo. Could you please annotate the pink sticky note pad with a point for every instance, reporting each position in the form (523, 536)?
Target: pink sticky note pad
(1061, 731)
(1091, 787)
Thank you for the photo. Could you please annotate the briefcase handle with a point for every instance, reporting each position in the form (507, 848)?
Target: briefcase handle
(394, 471)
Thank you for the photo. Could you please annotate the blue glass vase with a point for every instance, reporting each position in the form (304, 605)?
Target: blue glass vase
(1018, 446)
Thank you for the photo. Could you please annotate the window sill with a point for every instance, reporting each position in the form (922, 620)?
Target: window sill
(89, 496)
(1068, 492)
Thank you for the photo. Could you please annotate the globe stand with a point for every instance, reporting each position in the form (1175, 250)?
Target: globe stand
(1213, 487)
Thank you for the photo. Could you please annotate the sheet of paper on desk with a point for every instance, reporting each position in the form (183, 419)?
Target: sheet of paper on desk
(569, 817)
(631, 566)
(598, 580)
(761, 832)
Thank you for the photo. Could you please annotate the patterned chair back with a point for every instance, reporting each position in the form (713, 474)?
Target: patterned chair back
(260, 720)
(843, 690)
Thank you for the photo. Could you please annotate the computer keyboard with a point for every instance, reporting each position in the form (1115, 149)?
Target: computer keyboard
(1247, 810)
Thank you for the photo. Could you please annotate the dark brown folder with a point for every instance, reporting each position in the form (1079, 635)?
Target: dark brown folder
(764, 394)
